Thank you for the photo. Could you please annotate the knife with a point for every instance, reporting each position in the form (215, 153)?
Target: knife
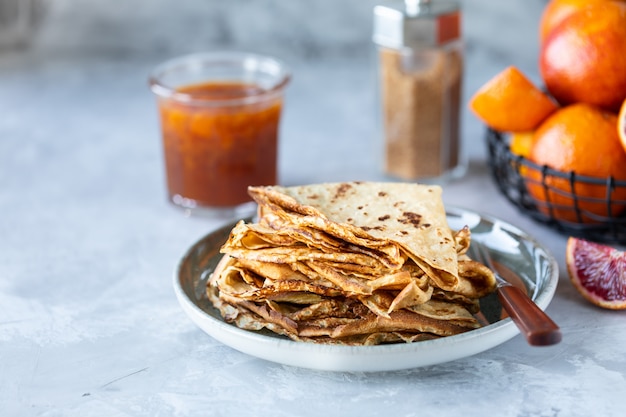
(534, 324)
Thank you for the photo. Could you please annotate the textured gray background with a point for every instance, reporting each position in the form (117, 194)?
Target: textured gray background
(89, 325)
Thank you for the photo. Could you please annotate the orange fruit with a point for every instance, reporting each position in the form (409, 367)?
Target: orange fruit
(598, 272)
(521, 143)
(583, 59)
(621, 124)
(510, 102)
(557, 10)
(583, 139)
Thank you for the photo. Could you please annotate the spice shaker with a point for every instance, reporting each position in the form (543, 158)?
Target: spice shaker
(420, 70)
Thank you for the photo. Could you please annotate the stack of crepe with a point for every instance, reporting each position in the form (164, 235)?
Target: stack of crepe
(355, 263)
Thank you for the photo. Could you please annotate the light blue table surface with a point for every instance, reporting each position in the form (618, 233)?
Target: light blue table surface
(89, 324)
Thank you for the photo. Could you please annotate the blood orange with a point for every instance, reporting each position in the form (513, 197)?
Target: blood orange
(575, 62)
(598, 272)
(558, 10)
(583, 139)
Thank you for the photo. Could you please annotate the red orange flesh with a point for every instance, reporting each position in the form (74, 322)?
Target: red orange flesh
(598, 272)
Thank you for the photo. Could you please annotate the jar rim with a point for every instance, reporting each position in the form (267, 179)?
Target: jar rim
(251, 63)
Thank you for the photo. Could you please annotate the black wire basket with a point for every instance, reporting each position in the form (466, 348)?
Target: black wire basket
(588, 207)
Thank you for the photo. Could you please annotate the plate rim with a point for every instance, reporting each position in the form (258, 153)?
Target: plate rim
(357, 358)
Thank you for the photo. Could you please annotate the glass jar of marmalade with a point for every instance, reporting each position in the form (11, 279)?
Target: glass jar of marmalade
(220, 115)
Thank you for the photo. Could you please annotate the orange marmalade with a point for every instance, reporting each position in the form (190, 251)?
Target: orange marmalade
(214, 152)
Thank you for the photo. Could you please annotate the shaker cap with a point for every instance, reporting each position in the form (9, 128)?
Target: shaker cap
(415, 23)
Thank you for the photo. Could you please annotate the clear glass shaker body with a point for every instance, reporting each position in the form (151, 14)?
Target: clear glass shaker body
(420, 88)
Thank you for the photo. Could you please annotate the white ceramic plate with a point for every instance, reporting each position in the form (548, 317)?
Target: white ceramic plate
(511, 248)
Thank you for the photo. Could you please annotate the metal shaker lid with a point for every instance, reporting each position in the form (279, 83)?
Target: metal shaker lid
(416, 23)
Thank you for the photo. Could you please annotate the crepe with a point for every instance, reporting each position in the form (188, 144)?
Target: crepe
(350, 263)
(382, 216)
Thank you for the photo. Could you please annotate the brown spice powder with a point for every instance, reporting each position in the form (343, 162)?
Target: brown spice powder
(421, 104)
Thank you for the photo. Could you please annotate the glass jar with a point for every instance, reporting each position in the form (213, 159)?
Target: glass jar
(220, 115)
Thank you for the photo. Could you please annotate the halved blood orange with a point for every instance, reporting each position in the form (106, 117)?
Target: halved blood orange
(598, 272)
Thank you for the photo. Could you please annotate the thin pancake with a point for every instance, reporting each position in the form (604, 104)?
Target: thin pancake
(350, 263)
(373, 215)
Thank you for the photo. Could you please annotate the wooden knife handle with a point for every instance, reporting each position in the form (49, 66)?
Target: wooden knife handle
(533, 323)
